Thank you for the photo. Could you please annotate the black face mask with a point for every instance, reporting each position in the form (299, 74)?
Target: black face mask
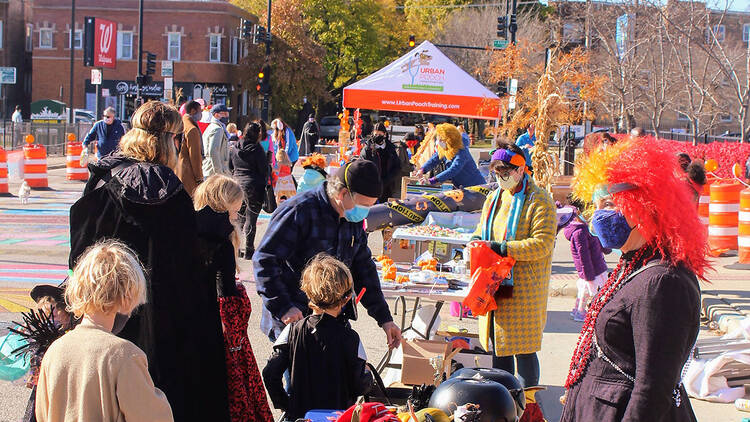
(380, 139)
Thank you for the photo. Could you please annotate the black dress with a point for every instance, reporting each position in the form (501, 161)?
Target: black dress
(145, 206)
(388, 163)
(647, 329)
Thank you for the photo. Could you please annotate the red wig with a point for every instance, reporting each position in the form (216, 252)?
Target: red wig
(661, 204)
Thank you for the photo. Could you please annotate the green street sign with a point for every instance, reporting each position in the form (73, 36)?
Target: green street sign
(500, 43)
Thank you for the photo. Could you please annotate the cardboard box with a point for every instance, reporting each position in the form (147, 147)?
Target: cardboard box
(416, 368)
(402, 250)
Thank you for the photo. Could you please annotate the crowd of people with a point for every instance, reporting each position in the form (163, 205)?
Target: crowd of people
(157, 320)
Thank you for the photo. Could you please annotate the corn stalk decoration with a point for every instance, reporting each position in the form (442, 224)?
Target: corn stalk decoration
(549, 97)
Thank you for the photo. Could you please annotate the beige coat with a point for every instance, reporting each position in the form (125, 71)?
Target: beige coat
(519, 320)
(91, 375)
(190, 160)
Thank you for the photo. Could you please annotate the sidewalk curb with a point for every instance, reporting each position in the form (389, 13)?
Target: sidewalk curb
(721, 311)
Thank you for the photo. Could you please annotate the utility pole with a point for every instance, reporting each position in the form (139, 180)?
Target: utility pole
(139, 78)
(267, 93)
(71, 118)
(587, 46)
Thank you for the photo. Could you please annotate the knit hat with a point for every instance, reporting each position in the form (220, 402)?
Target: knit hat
(362, 177)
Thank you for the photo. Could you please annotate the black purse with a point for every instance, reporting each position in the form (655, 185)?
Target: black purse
(269, 197)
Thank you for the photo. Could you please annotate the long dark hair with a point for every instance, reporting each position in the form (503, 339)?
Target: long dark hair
(252, 133)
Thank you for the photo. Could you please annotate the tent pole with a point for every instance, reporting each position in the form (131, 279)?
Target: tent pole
(494, 139)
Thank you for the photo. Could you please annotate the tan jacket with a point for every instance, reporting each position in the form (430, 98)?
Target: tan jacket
(190, 160)
(91, 375)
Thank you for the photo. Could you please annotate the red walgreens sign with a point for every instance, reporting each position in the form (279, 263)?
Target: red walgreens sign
(105, 45)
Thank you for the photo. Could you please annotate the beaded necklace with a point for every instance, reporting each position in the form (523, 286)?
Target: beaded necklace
(617, 279)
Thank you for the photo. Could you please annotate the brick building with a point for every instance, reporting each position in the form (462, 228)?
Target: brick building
(201, 38)
(15, 51)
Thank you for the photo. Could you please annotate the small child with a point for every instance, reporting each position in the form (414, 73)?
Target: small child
(588, 257)
(322, 352)
(217, 202)
(285, 187)
(89, 374)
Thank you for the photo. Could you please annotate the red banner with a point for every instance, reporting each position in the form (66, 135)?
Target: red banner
(105, 43)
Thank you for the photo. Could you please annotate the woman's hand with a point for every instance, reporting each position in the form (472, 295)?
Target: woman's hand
(477, 243)
(417, 173)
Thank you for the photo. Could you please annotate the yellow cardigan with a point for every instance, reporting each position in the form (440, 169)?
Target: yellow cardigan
(519, 321)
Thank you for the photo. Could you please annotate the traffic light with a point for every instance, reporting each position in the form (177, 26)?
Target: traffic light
(259, 36)
(150, 63)
(412, 41)
(512, 26)
(247, 29)
(502, 27)
(264, 85)
(502, 88)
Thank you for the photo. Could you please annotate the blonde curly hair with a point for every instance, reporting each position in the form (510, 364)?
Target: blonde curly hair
(326, 281)
(107, 278)
(154, 125)
(220, 192)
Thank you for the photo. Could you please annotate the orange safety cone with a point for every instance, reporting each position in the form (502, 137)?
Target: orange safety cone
(3, 171)
(704, 200)
(34, 164)
(723, 215)
(73, 168)
(743, 239)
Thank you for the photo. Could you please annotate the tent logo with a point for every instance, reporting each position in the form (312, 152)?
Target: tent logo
(430, 79)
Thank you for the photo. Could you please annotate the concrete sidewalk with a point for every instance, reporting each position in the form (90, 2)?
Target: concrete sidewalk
(726, 296)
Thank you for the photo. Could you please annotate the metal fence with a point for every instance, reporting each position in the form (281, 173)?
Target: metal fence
(52, 135)
(702, 139)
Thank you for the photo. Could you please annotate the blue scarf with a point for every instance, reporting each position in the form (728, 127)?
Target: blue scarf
(514, 216)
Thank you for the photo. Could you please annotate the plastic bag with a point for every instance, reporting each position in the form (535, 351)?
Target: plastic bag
(13, 366)
(488, 272)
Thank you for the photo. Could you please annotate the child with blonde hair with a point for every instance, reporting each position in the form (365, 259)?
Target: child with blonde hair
(217, 202)
(321, 346)
(284, 187)
(89, 374)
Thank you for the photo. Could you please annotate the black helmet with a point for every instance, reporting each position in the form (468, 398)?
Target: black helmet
(493, 399)
(501, 376)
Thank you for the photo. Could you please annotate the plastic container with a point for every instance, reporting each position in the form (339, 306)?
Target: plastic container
(742, 404)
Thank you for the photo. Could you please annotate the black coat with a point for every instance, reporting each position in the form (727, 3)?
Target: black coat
(145, 206)
(326, 362)
(648, 329)
(388, 163)
(309, 137)
(249, 167)
(218, 265)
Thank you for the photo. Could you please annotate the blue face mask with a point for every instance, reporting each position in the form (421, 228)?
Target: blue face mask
(356, 214)
(224, 120)
(611, 228)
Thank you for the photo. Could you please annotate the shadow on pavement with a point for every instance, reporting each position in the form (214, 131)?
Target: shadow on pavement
(560, 322)
(549, 401)
(563, 269)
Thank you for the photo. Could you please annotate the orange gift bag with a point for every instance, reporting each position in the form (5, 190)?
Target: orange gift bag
(488, 270)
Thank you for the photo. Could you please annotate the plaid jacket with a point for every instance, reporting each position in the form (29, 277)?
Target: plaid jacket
(299, 229)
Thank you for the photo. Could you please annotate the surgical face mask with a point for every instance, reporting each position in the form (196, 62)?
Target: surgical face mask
(197, 116)
(356, 214)
(611, 227)
(224, 120)
(508, 183)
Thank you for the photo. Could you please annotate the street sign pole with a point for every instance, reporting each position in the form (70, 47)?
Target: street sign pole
(267, 94)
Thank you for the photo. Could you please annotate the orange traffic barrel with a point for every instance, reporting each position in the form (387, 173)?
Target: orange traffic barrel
(35, 165)
(703, 200)
(3, 171)
(743, 239)
(723, 215)
(73, 168)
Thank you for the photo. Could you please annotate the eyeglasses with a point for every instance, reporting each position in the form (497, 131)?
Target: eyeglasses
(108, 117)
(503, 175)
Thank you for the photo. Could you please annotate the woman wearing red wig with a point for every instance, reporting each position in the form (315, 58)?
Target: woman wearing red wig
(643, 323)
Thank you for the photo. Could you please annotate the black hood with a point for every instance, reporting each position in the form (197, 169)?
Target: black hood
(213, 224)
(139, 182)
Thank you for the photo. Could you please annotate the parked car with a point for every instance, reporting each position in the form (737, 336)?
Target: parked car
(330, 127)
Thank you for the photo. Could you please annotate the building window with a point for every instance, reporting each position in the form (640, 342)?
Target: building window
(45, 38)
(235, 50)
(719, 32)
(572, 32)
(725, 118)
(78, 40)
(124, 45)
(29, 37)
(173, 46)
(746, 32)
(214, 48)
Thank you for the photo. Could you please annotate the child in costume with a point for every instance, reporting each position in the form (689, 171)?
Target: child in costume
(322, 352)
(217, 202)
(89, 374)
(588, 257)
(315, 174)
(284, 187)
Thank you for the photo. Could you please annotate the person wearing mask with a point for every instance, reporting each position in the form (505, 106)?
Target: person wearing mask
(216, 143)
(381, 151)
(527, 139)
(310, 135)
(135, 197)
(233, 134)
(250, 168)
(519, 220)
(460, 167)
(106, 132)
(283, 138)
(325, 219)
(190, 159)
(639, 332)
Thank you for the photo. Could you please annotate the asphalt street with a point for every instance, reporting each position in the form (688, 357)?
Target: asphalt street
(34, 249)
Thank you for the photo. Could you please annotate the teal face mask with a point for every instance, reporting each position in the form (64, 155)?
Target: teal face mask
(356, 214)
